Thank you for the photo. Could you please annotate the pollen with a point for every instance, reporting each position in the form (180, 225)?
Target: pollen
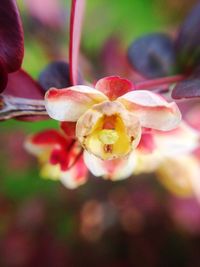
(108, 137)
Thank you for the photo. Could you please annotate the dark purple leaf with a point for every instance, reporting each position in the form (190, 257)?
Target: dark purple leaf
(56, 74)
(3, 77)
(187, 89)
(188, 40)
(11, 36)
(20, 84)
(153, 55)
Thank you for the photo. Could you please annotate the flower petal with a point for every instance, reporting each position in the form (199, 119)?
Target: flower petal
(75, 176)
(116, 169)
(181, 140)
(45, 140)
(114, 86)
(152, 110)
(70, 103)
(69, 128)
(180, 176)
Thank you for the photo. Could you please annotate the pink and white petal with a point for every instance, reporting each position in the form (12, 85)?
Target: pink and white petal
(46, 140)
(116, 169)
(182, 140)
(34, 149)
(75, 176)
(147, 162)
(146, 144)
(49, 137)
(37, 143)
(114, 86)
(152, 110)
(70, 103)
(94, 164)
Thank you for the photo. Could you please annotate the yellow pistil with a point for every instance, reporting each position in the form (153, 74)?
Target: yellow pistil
(108, 137)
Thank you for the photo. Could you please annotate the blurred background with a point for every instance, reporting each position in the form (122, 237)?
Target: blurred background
(135, 222)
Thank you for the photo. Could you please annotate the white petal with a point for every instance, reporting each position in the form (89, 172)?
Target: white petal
(117, 169)
(182, 140)
(70, 103)
(152, 110)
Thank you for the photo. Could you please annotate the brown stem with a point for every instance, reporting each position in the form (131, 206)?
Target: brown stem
(11, 107)
(151, 84)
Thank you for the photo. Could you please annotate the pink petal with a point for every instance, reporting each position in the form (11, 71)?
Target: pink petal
(48, 137)
(70, 103)
(116, 169)
(45, 140)
(77, 11)
(179, 141)
(146, 144)
(114, 86)
(75, 176)
(69, 128)
(152, 110)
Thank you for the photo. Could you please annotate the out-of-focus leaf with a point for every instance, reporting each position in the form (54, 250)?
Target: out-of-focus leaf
(3, 77)
(77, 11)
(56, 74)
(153, 55)
(187, 89)
(113, 59)
(20, 84)
(48, 12)
(11, 36)
(188, 40)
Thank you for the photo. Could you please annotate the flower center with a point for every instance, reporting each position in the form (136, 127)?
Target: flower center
(108, 131)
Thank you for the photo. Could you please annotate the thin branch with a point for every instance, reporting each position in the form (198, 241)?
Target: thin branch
(153, 83)
(11, 107)
(76, 18)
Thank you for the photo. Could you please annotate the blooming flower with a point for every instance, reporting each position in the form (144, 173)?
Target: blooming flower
(62, 158)
(59, 156)
(155, 149)
(110, 117)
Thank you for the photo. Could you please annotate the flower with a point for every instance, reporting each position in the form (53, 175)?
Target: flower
(155, 150)
(110, 117)
(60, 157)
